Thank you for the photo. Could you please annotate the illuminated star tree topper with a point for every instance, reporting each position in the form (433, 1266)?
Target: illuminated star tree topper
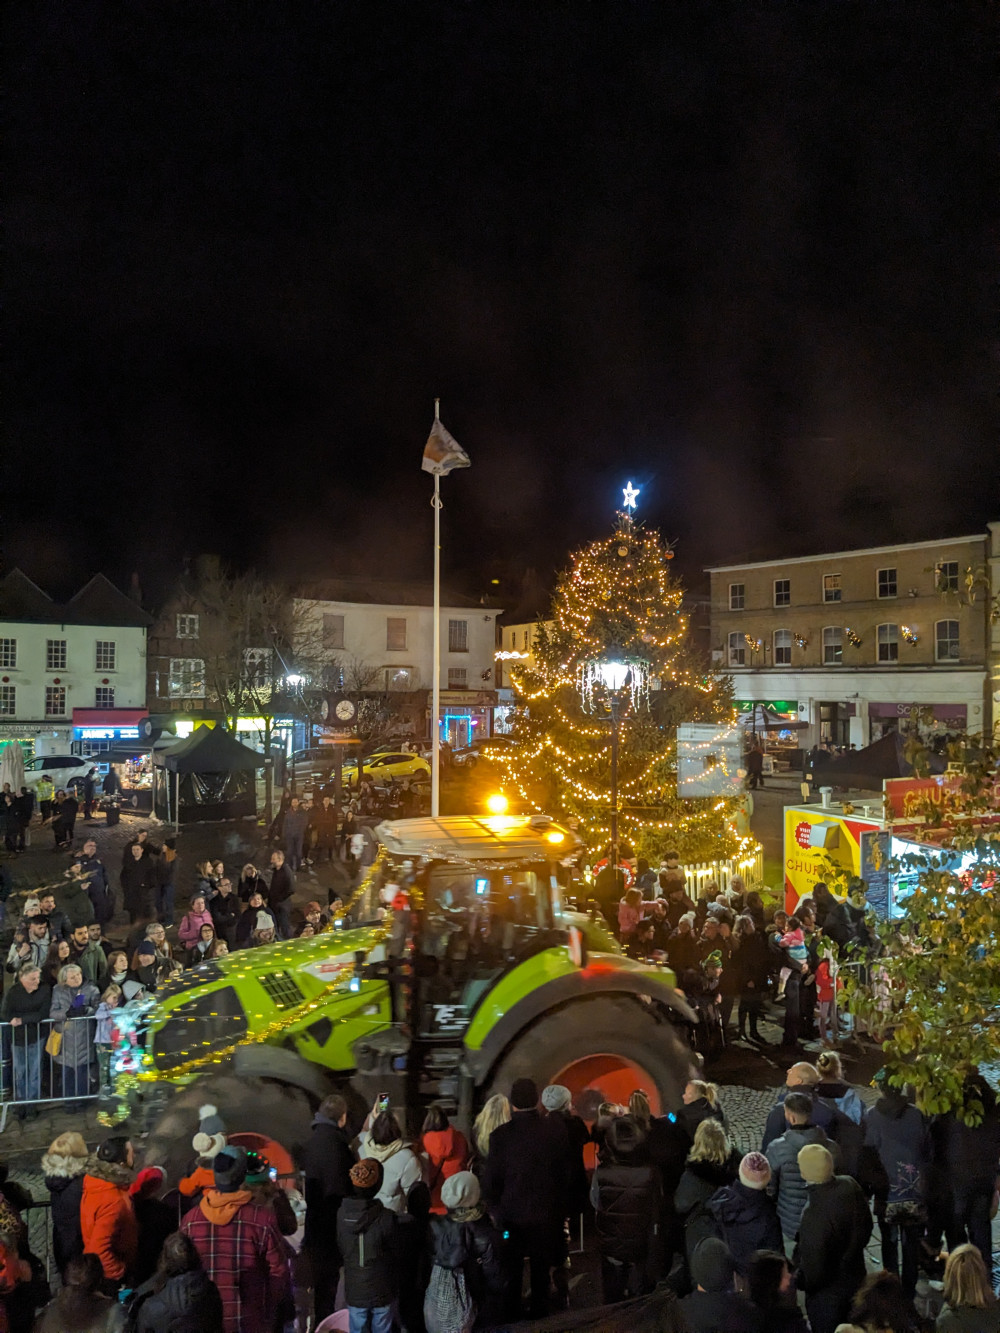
(631, 494)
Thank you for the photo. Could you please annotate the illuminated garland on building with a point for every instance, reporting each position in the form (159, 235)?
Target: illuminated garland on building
(620, 592)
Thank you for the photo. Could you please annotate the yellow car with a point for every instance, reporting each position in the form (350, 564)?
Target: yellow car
(381, 767)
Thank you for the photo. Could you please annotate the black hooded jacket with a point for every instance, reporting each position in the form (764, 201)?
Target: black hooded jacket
(64, 1182)
(627, 1203)
(188, 1303)
(368, 1243)
(327, 1163)
(747, 1221)
(697, 1185)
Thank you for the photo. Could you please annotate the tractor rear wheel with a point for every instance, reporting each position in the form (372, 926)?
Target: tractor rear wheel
(602, 1050)
(260, 1113)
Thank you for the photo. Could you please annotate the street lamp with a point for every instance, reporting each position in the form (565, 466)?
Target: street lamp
(618, 675)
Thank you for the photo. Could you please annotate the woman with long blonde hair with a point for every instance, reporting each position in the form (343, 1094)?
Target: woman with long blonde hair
(495, 1113)
(711, 1163)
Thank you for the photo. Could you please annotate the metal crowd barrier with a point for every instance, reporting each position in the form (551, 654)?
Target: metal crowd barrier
(34, 1075)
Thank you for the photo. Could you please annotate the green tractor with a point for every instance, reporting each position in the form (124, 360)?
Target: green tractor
(457, 969)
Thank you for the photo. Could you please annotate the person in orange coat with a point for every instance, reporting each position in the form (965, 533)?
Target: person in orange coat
(107, 1219)
(445, 1153)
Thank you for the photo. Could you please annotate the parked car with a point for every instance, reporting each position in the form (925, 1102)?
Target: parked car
(313, 765)
(480, 749)
(66, 770)
(382, 767)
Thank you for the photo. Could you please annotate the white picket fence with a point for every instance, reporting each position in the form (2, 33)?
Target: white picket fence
(701, 873)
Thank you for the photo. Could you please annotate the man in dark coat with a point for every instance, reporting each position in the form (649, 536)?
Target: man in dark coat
(137, 884)
(60, 926)
(802, 1077)
(89, 790)
(969, 1156)
(714, 1305)
(327, 1163)
(99, 890)
(324, 821)
(279, 894)
(225, 910)
(526, 1180)
(787, 1184)
(834, 1230)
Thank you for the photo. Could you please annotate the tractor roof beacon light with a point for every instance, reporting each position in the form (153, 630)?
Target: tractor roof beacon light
(497, 804)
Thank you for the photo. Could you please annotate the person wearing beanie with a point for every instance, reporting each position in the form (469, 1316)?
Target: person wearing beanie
(240, 1247)
(264, 930)
(625, 1192)
(208, 1142)
(444, 1151)
(558, 1101)
(155, 1219)
(107, 1219)
(64, 1165)
(326, 1165)
(833, 1232)
(269, 1194)
(745, 1213)
(787, 1185)
(465, 1253)
(368, 1241)
(526, 1180)
(714, 1305)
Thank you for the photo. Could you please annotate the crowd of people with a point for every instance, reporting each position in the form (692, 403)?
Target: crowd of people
(439, 1232)
(731, 956)
(68, 969)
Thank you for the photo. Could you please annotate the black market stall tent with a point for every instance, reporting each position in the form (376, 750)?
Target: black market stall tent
(867, 769)
(206, 778)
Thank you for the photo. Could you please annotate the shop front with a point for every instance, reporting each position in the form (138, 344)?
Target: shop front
(931, 720)
(96, 730)
(465, 716)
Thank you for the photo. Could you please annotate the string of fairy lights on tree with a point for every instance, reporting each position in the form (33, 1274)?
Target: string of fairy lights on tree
(619, 592)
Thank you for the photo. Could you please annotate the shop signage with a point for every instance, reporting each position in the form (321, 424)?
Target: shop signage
(108, 733)
(954, 713)
(776, 705)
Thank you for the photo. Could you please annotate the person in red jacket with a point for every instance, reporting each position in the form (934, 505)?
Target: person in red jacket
(241, 1248)
(445, 1153)
(107, 1219)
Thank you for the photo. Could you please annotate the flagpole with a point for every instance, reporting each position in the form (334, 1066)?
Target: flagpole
(436, 657)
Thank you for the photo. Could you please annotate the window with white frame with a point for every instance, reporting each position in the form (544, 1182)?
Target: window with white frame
(105, 655)
(458, 636)
(8, 654)
(737, 649)
(946, 641)
(947, 575)
(782, 592)
(188, 625)
(888, 643)
(831, 587)
(55, 654)
(395, 634)
(886, 583)
(457, 678)
(737, 596)
(187, 678)
(104, 696)
(8, 700)
(782, 648)
(55, 701)
(333, 631)
(833, 645)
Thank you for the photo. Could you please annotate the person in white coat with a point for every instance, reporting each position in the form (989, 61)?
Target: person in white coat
(401, 1168)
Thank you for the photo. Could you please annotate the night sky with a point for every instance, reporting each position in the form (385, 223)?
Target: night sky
(744, 255)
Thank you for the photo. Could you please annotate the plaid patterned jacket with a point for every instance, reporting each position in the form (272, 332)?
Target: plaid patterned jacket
(246, 1261)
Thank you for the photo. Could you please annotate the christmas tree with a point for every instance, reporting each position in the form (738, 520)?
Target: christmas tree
(618, 599)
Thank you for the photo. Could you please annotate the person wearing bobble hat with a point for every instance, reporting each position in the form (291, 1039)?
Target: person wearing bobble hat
(207, 1143)
(467, 1276)
(835, 1228)
(745, 1214)
(369, 1245)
